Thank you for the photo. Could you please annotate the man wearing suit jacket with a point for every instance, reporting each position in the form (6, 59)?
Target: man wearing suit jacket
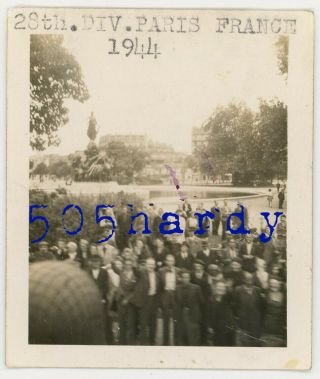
(169, 277)
(229, 253)
(99, 275)
(189, 311)
(184, 259)
(200, 278)
(146, 298)
(207, 255)
(248, 252)
(101, 278)
(248, 306)
(159, 252)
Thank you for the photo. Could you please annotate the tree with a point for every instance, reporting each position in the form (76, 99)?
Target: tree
(272, 138)
(116, 161)
(61, 169)
(126, 161)
(41, 169)
(55, 76)
(282, 46)
(231, 138)
(251, 146)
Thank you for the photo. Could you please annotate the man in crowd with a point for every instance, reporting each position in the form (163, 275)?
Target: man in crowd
(217, 218)
(281, 197)
(127, 309)
(248, 252)
(201, 278)
(159, 252)
(184, 259)
(203, 289)
(43, 254)
(100, 277)
(229, 253)
(248, 305)
(225, 211)
(206, 254)
(146, 297)
(61, 250)
(169, 276)
(189, 311)
(84, 253)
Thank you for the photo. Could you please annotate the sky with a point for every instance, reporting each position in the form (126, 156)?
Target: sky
(164, 98)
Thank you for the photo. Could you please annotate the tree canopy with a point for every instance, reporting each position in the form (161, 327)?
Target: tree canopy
(41, 169)
(282, 46)
(61, 169)
(55, 75)
(250, 145)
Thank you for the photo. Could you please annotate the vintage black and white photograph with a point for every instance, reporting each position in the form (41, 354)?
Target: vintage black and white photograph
(158, 181)
(218, 288)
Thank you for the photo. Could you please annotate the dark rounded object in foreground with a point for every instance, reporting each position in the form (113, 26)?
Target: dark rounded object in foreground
(64, 306)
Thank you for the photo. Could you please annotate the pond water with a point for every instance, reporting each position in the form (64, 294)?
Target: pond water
(198, 194)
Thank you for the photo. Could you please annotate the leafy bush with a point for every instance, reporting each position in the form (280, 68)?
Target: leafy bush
(57, 202)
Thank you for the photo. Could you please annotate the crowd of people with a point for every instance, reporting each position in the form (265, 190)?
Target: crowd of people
(215, 289)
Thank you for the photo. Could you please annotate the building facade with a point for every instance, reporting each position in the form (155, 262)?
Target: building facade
(137, 140)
